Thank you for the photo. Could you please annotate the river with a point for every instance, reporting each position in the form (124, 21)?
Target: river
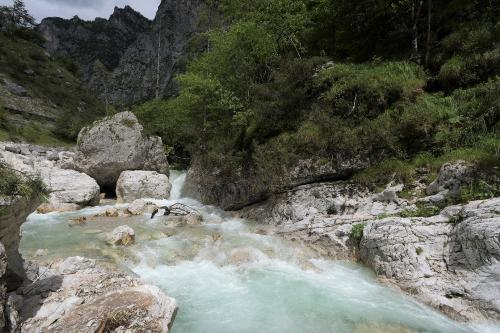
(232, 275)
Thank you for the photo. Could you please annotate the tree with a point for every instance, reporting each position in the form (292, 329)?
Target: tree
(16, 17)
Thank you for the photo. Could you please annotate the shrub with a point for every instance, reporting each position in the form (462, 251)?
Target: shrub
(423, 210)
(357, 232)
(366, 90)
(14, 183)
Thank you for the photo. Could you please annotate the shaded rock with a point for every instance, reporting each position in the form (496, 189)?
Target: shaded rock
(116, 144)
(390, 194)
(29, 72)
(3, 286)
(127, 46)
(14, 215)
(14, 88)
(134, 185)
(451, 177)
(122, 235)
(243, 186)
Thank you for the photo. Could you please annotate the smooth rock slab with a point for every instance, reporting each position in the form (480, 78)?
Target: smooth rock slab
(134, 185)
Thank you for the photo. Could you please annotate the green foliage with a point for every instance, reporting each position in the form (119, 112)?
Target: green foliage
(479, 190)
(423, 210)
(14, 183)
(273, 82)
(52, 82)
(357, 232)
(366, 90)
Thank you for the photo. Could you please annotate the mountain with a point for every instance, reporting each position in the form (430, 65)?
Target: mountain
(119, 56)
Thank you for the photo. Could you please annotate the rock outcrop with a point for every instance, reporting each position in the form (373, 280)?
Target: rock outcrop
(134, 185)
(451, 177)
(14, 214)
(69, 189)
(77, 295)
(233, 189)
(119, 56)
(449, 261)
(116, 144)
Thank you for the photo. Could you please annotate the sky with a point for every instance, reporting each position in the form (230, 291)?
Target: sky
(85, 9)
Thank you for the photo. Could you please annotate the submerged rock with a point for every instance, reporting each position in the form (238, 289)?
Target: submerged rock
(122, 235)
(192, 219)
(116, 144)
(134, 185)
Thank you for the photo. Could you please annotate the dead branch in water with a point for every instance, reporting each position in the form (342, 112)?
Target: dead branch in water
(177, 209)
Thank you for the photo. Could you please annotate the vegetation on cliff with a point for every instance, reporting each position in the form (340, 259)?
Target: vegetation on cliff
(55, 105)
(404, 84)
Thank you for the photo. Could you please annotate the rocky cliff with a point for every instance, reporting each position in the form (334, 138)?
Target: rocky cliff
(119, 56)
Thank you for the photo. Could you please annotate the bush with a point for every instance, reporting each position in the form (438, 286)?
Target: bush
(366, 90)
(357, 232)
(14, 183)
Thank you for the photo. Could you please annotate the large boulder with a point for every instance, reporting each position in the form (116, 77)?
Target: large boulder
(134, 185)
(69, 186)
(81, 296)
(116, 144)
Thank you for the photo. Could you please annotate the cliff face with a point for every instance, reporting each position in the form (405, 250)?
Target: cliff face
(119, 56)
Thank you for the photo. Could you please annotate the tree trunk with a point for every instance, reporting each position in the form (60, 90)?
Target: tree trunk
(416, 9)
(428, 42)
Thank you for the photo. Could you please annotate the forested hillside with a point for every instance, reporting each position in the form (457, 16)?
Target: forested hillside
(393, 85)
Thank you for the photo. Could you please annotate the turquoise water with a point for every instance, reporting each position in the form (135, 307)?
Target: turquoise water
(229, 275)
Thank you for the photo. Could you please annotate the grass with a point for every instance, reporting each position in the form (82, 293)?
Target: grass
(485, 155)
(16, 184)
(54, 81)
(357, 232)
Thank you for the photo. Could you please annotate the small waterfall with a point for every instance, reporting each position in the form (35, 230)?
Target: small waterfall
(177, 178)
